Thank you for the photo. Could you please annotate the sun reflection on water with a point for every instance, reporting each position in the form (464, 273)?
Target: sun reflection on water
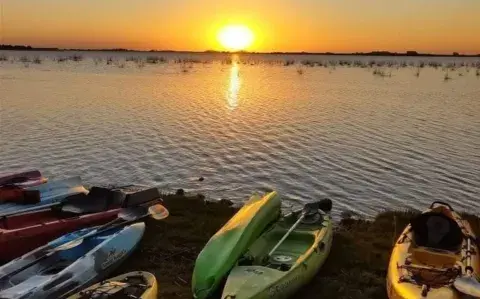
(234, 87)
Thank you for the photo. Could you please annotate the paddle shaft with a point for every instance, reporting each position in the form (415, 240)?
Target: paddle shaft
(294, 226)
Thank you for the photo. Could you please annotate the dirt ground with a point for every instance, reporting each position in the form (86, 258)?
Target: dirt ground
(356, 267)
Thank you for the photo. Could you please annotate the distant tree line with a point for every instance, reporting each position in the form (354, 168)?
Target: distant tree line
(373, 53)
(25, 48)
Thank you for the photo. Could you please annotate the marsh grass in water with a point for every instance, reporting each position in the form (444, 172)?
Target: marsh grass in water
(61, 59)
(75, 57)
(446, 77)
(24, 59)
(156, 59)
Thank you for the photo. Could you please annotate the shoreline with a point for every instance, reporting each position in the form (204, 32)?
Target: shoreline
(355, 268)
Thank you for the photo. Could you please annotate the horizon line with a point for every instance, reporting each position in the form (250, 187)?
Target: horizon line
(371, 53)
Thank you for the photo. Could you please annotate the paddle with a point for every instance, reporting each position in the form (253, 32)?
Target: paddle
(467, 284)
(131, 215)
(308, 209)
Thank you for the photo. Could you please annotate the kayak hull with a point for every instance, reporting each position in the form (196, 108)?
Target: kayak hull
(69, 270)
(117, 284)
(35, 229)
(292, 265)
(399, 284)
(223, 250)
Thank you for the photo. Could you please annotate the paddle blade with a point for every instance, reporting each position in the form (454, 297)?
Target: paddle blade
(133, 213)
(158, 212)
(468, 286)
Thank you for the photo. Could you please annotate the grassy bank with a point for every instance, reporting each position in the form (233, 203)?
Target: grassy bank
(356, 267)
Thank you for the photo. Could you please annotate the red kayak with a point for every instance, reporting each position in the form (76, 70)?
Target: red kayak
(12, 187)
(22, 233)
(23, 179)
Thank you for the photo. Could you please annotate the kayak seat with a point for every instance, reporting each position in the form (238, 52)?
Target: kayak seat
(141, 197)
(56, 267)
(437, 231)
(435, 258)
(97, 200)
(286, 255)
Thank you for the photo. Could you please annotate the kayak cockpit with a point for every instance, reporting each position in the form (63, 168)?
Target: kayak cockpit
(54, 264)
(286, 255)
(291, 251)
(283, 258)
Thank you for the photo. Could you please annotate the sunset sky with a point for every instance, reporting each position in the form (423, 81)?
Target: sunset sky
(440, 26)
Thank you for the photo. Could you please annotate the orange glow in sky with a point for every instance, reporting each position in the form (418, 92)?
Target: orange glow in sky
(439, 26)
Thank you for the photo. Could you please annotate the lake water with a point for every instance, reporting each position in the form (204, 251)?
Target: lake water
(369, 142)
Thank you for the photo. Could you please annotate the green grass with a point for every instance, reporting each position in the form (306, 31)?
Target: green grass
(356, 267)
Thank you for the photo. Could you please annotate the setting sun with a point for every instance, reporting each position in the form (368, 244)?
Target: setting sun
(235, 37)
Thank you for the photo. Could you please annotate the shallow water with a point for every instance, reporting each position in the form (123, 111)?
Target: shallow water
(368, 142)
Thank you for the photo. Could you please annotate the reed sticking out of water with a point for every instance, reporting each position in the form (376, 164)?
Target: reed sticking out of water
(24, 59)
(109, 60)
(477, 73)
(381, 73)
(417, 73)
(155, 59)
(75, 57)
(289, 62)
(185, 67)
(37, 60)
(446, 77)
(61, 59)
(300, 71)
(434, 64)
(3, 57)
(135, 59)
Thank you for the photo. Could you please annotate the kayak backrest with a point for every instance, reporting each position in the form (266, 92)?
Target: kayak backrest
(436, 230)
(97, 200)
(141, 197)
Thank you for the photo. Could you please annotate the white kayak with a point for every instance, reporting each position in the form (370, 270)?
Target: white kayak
(72, 269)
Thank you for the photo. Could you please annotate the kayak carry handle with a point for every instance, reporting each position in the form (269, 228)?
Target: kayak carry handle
(441, 203)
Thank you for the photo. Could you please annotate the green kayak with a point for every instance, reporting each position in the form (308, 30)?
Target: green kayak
(284, 258)
(224, 249)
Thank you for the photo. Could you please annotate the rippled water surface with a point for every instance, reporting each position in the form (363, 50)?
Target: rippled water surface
(368, 142)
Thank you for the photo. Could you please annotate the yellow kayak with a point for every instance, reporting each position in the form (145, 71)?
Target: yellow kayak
(434, 249)
(141, 285)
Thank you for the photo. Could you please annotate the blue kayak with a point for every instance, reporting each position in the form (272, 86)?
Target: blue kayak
(51, 193)
(72, 269)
